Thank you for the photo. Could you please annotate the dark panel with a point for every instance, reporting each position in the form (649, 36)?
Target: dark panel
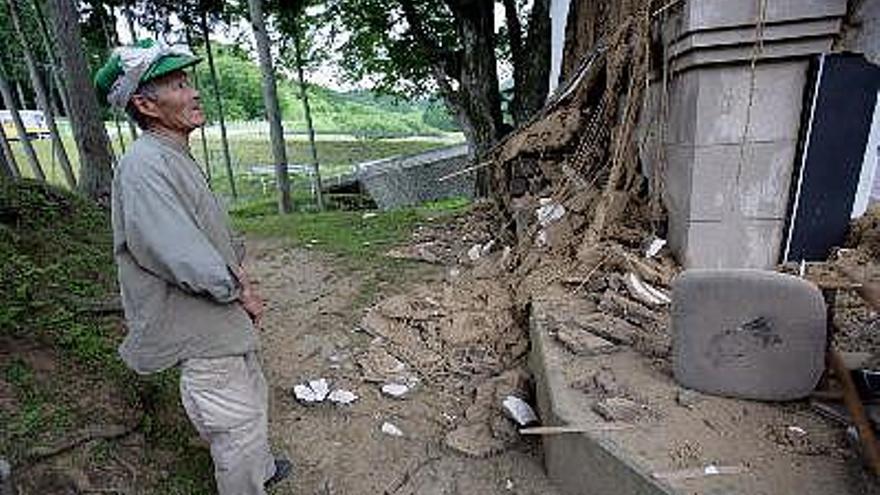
(835, 147)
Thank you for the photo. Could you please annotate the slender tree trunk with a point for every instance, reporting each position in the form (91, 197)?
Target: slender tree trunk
(304, 94)
(109, 41)
(21, 99)
(48, 47)
(189, 43)
(96, 158)
(273, 112)
(218, 97)
(9, 102)
(129, 18)
(7, 159)
(42, 96)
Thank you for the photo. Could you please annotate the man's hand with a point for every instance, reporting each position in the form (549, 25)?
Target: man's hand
(250, 300)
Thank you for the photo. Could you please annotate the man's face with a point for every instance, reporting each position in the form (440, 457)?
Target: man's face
(174, 105)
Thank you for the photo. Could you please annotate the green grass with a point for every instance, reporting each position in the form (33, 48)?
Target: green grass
(249, 146)
(353, 235)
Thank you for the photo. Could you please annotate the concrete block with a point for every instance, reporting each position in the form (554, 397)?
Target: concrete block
(746, 36)
(752, 180)
(732, 243)
(798, 48)
(713, 14)
(678, 179)
(682, 121)
(723, 103)
(747, 333)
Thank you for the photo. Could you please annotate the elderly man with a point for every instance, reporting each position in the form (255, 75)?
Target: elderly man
(187, 300)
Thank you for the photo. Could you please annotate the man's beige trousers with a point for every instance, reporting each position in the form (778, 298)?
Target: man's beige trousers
(227, 401)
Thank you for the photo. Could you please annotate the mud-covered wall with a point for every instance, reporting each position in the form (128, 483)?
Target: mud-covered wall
(862, 29)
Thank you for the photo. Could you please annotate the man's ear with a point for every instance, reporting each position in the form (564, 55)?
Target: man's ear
(145, 106)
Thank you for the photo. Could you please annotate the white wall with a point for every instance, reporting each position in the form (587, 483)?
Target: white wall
(869, 166)
(558, 20)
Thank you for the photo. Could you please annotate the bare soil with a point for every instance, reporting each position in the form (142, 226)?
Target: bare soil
(312, 330)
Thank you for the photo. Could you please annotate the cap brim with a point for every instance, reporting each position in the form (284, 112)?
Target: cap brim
(169, 64)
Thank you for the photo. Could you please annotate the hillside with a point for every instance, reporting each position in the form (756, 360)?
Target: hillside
(359, 113)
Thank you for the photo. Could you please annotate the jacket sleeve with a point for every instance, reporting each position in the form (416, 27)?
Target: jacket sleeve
(164, 239)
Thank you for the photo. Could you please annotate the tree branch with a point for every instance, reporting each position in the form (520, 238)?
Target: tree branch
(432, 51)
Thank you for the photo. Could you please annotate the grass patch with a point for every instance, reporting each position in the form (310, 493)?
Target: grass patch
(360, 237)
(57, 259)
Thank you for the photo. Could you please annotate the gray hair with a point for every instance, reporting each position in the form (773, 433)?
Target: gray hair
(148, 90)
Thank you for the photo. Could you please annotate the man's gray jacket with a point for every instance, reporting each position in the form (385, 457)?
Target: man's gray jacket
(176, 260)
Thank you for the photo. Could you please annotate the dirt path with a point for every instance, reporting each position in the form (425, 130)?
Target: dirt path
(310, 332)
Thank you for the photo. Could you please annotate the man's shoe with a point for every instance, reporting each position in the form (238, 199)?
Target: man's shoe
(283, 468)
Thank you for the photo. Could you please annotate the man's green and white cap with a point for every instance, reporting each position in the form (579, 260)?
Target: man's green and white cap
(131, 66)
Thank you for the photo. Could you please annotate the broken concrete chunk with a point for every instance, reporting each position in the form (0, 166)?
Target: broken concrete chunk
(519, 410)
(390, 429)
(618, 409)
(342, 397)
(395, 390)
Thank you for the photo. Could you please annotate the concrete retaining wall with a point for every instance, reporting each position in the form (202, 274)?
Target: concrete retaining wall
(410, 180)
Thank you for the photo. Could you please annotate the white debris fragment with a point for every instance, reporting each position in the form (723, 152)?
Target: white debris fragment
(395, 390)
(320, 387)
(484, 250)
(519, 410)
(550, 211)
(797, 430)
(390, 429)
(508, 484)
(311, 392)
(645, 292)
(655, 247)
(368, 215)
(343, 397)
(475, 252)
(711, 469)
(541, 239)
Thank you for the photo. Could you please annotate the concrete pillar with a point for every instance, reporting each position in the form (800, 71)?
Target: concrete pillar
(732, 130)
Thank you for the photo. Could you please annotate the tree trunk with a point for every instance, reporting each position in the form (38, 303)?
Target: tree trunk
(109, 41)
(7, 159)
(21, 99)
(129, 18)
(480, 98)
(9, 102)
(96, 159)
(534, 81)
(477, 101)
(43, 101)
(189, 43)
(48, 47)
(304, 94)
(215, 82)
(273, 113)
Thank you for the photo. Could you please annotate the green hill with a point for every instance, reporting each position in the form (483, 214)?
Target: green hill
(360, 113)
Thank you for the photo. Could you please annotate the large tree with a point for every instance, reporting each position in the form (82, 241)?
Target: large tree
(273, 111)
(95, 154)
(451, 46)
